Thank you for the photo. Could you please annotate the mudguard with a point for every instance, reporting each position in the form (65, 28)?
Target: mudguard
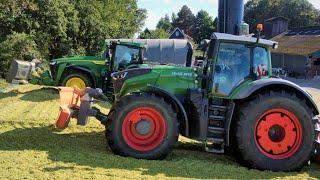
(280, 83)
(168, 96)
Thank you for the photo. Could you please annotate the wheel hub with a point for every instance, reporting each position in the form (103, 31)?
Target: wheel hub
(278, 134)
(76, 82)
(143, 129)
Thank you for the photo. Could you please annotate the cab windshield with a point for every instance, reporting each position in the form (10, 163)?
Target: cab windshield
(125, 56)
(233, 66)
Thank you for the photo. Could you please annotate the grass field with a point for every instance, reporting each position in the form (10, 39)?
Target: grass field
(31, 148)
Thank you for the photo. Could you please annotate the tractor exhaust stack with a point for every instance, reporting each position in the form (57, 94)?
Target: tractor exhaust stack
(230, 16)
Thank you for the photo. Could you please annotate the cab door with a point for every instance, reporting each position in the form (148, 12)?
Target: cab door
(231, 68)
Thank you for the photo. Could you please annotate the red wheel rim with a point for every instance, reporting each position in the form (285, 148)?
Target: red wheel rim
(278, 133)
(143, 129)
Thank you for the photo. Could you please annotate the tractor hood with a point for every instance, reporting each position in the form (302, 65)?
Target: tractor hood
(78, 58)
(175, 80)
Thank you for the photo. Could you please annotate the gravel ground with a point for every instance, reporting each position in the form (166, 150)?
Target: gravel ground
(312, 86)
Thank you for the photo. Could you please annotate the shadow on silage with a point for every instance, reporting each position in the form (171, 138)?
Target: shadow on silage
(36, 95)
(89, 149)
(41, 95)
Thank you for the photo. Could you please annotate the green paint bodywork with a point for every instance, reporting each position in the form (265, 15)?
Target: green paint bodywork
(93, 65)
(175, 80)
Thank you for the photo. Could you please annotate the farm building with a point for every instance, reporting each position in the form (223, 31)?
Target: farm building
(298, 50)
(314, 64)
(177, 33)
(275, 26)
(295, 50)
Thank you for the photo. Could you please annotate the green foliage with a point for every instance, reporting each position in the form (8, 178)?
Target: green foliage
(154, 34)
(204, 26)
(70, 27)
(107, 19)
(299, 12)
(165, 24)
(18, 46)
(199, 27)
(184, 20)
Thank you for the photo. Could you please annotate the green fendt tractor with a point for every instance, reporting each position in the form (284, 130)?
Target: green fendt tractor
(232, 103)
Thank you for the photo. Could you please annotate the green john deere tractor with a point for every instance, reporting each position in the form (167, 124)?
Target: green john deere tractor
(91, 71)
(233, 103)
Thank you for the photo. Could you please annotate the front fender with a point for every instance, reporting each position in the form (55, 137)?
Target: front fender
(177, 106)
(275, 83)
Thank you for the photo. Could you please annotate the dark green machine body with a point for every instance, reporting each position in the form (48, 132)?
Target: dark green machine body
(96, 68)
(235, 69)
(232, 102)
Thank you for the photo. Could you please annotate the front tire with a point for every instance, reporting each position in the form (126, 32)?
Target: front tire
(275, 132)
(76, 79)
(142, 126)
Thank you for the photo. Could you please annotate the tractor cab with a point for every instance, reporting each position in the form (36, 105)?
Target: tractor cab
(234, 60)
(123, 55)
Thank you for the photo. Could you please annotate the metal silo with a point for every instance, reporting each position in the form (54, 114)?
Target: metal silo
(230, 16)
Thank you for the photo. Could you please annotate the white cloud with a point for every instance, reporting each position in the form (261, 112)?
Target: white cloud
(316, 3)
(152, 20)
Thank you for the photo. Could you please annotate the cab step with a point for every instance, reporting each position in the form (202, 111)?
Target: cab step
(214, 145)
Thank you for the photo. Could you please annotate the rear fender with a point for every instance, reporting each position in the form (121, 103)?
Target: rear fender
(276, 84)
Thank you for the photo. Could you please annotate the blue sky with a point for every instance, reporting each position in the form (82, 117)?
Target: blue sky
(158, 8)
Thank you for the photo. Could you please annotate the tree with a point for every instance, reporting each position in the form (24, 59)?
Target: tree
(154, 34)
(173, 17)
(299, 12)
(18, 46)
(204, 26)
(184, 20)
(165, 24)
(101, 20)
(70, 27)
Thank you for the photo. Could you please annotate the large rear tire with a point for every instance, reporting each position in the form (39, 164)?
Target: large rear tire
(275, 132)
(142, 126)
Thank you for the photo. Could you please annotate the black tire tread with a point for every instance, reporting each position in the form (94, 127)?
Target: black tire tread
(118, 106)
(246, 108)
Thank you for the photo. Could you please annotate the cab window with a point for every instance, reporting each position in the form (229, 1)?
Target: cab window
(260, 62)
(231, 68)
(125, 56)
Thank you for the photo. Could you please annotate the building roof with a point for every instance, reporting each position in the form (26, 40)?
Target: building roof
(300, 41)
(251, 39)
(312, 30)
(277, 18)
(177, 33)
